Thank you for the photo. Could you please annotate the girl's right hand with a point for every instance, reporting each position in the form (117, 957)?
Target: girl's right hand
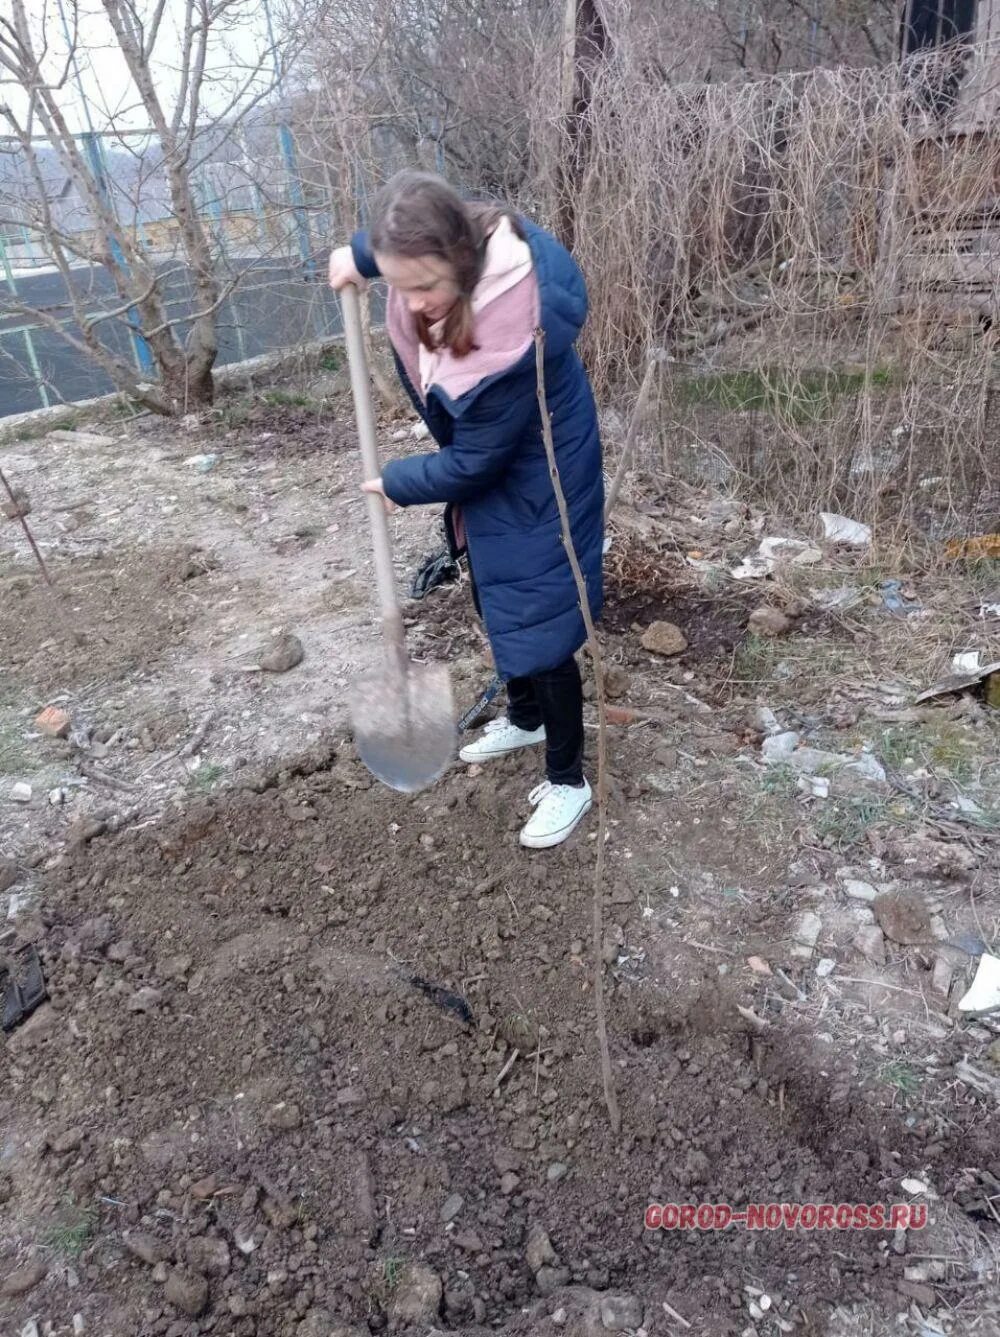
(343, 270)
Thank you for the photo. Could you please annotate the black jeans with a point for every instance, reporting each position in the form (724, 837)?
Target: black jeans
(553, 698)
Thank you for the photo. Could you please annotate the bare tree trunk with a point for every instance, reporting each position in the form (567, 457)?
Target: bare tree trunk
(585, 46)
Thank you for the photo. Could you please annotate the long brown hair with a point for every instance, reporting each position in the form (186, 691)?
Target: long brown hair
(417, 214)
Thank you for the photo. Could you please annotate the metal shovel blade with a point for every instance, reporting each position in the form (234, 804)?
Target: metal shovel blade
(404, 724)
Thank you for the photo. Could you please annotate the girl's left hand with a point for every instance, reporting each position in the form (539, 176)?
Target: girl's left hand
(375, 485)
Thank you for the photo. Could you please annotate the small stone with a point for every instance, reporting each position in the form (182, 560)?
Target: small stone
(619, 1312)
(766, 621)
(556, 1171)
(204, 1188)
(244, 1240)
(145, 1000)
(903, 919)
(174, 967)
(539, 1252)
(758, 965)
(53, 723)
(616, 681)
(8, 874)
(208, 1256)
(349, 1096)
(549, 1279)
(187, 1293)
(160, 1273)
(941, 976)
(451, 1207)
(807, 931)
(147, 1248)
(285, 654)
(67, 1142)
(664, 638)
(85, 829)
(121, 951)
(510, 1181)
(559, 1316)
(825, 966)
(925, 1296)
(860, 891)
(416, 1297)
(285, 1116)
(618, 715)
(21, 792)
(23, 1279)
(870, 942)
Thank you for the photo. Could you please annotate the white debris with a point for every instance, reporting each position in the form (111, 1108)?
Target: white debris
(984, 995)
(840, 529)
(918, 1188)
(859, 891)
(773, 550)
(969, 662)
(807, 930)
(826, 966)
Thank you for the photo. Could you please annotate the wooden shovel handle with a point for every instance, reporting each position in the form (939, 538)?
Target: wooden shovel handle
(385, 579)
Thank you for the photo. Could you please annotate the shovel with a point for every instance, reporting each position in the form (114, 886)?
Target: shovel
(401, 712)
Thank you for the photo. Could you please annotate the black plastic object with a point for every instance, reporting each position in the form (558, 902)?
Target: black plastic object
(24, 986)
(480, 706)
(444, 998)
(440, 568)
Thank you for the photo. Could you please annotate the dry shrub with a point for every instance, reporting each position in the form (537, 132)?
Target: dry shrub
(822, 264)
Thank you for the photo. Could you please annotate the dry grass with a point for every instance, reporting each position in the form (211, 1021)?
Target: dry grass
(789, 242)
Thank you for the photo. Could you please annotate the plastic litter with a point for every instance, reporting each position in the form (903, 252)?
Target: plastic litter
(23, 986)
(444, 998)
(984, 995)
(841, 529)
(962, 682)
(772, 550)
(966, 663)
(896, 601)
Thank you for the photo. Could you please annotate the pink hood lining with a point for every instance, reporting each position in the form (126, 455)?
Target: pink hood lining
(506, 311)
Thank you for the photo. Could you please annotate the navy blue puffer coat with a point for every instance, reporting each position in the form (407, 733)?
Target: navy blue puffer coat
(491, 463)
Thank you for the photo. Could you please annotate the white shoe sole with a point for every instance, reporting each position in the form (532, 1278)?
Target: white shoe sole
(551, 838)
(473, 754)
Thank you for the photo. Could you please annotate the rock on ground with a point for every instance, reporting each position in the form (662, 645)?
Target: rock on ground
(417, 1295)
(664, 638)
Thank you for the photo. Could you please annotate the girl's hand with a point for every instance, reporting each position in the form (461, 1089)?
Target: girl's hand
(343, 270)
(375, 485)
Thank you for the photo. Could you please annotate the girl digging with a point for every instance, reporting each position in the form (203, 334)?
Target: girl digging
(468, 286)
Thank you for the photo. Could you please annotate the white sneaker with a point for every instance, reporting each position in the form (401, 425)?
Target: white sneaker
(558, 810)
(498, 738)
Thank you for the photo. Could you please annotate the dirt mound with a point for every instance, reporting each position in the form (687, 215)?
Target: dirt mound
(239, 1069)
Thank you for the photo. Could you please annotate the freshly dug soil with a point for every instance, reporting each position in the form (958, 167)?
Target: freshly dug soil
(236, 1066)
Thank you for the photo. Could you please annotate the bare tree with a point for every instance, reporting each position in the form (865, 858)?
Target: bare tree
(53, 160)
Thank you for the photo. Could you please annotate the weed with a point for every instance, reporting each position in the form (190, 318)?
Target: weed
(780, 780)
(794, 397)
(331, 362)
(984, 576)
(290, 399)
(902, 1077)
(392, 1271)
(205, 778)
(70, 1233)
(754, 659)
(15, 754)
(844, 824)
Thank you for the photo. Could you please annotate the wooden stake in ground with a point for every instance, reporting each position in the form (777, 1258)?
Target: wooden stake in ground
(19, 515)
(611, 1100)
